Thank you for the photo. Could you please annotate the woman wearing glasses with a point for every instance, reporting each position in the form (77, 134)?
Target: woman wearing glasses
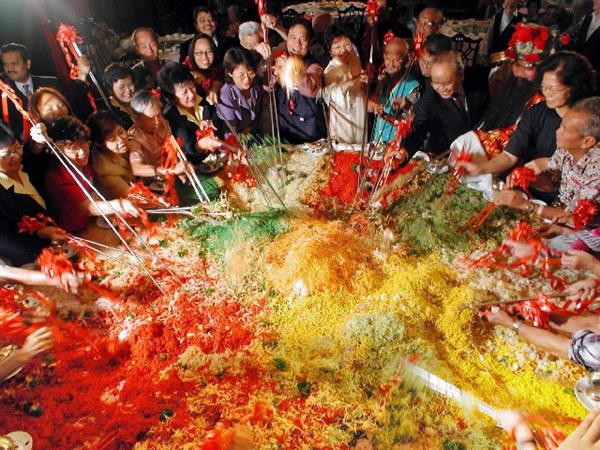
(18, 198)
(201, 60)
(564, 79)
(240, 99)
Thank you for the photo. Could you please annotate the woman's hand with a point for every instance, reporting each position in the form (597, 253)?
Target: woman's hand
(38, 133)
(511, 198)
(582, 289)
(586, 436)
(578, 259)
(497, 316)
(84, 67)
(519, 249)
(127, 208)
(37, 342)
(52, 233)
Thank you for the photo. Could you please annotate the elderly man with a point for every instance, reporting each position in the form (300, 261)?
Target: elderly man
(205, 22)
(300, 78)
(395, 92)
(145, 44)
(429, 22)
(16, 63)
(446, 111)
(435, 44)
(577, 158)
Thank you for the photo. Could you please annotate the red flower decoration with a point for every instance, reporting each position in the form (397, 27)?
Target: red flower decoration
(372, 9)
(564, 38)
(387, 37)
(155, 93)
(510, 53)
(522, 178)
(532, 58)
(584, 212)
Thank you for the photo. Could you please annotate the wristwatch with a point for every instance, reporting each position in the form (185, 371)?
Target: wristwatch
(516, 325)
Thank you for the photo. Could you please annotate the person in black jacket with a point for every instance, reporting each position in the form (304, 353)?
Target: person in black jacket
(187, 112)
(16, 63)
(587, 40)
(206, 23)
(503, 26)
(18, 198)
(447, 110)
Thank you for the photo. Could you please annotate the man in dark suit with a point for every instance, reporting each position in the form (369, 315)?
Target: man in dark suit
(587, 40)
(16, 63)
(503, 26)
(205, 22)
(447, 110)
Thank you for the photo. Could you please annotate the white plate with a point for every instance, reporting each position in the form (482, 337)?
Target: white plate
(581, 388)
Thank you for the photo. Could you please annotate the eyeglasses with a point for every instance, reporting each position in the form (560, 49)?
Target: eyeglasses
(342, 46)
(14, 149)
(244, 76)
(553, 89)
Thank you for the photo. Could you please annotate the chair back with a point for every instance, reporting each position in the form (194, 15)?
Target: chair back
(352, 19)
(467, 47)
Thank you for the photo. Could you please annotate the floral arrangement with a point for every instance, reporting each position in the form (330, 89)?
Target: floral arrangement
(528, 43)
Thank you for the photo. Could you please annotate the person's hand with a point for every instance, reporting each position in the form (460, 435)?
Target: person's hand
(263, 49)
(84, 67)
(515, 425)
(578, 259)
(510, 198)
(497, 316)
(519, 249)
(586, 435)
(471, 168)
(209, 143)
(549, 231)
(375, 108)
(212, 97)
(582, 289)
(127, 208)
(198, 78)
(37, 342)
(269, 20)
(399, 103)
(206, 125)
(38, 133)
(52, 233)
(70, 282)
(537, 165)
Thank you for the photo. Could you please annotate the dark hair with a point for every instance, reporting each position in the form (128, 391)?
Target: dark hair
(34, 102)
(115, 72)
(334, 32)
(233, 58)
(7, 135)
(171, 75)
(102, 124)
(68, 128)
(193, 44)
(14, 47)
(572, 70)
(437, 43)
(305, 24)
(203, 9)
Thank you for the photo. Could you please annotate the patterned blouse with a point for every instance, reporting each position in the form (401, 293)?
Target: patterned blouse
(579, 180)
